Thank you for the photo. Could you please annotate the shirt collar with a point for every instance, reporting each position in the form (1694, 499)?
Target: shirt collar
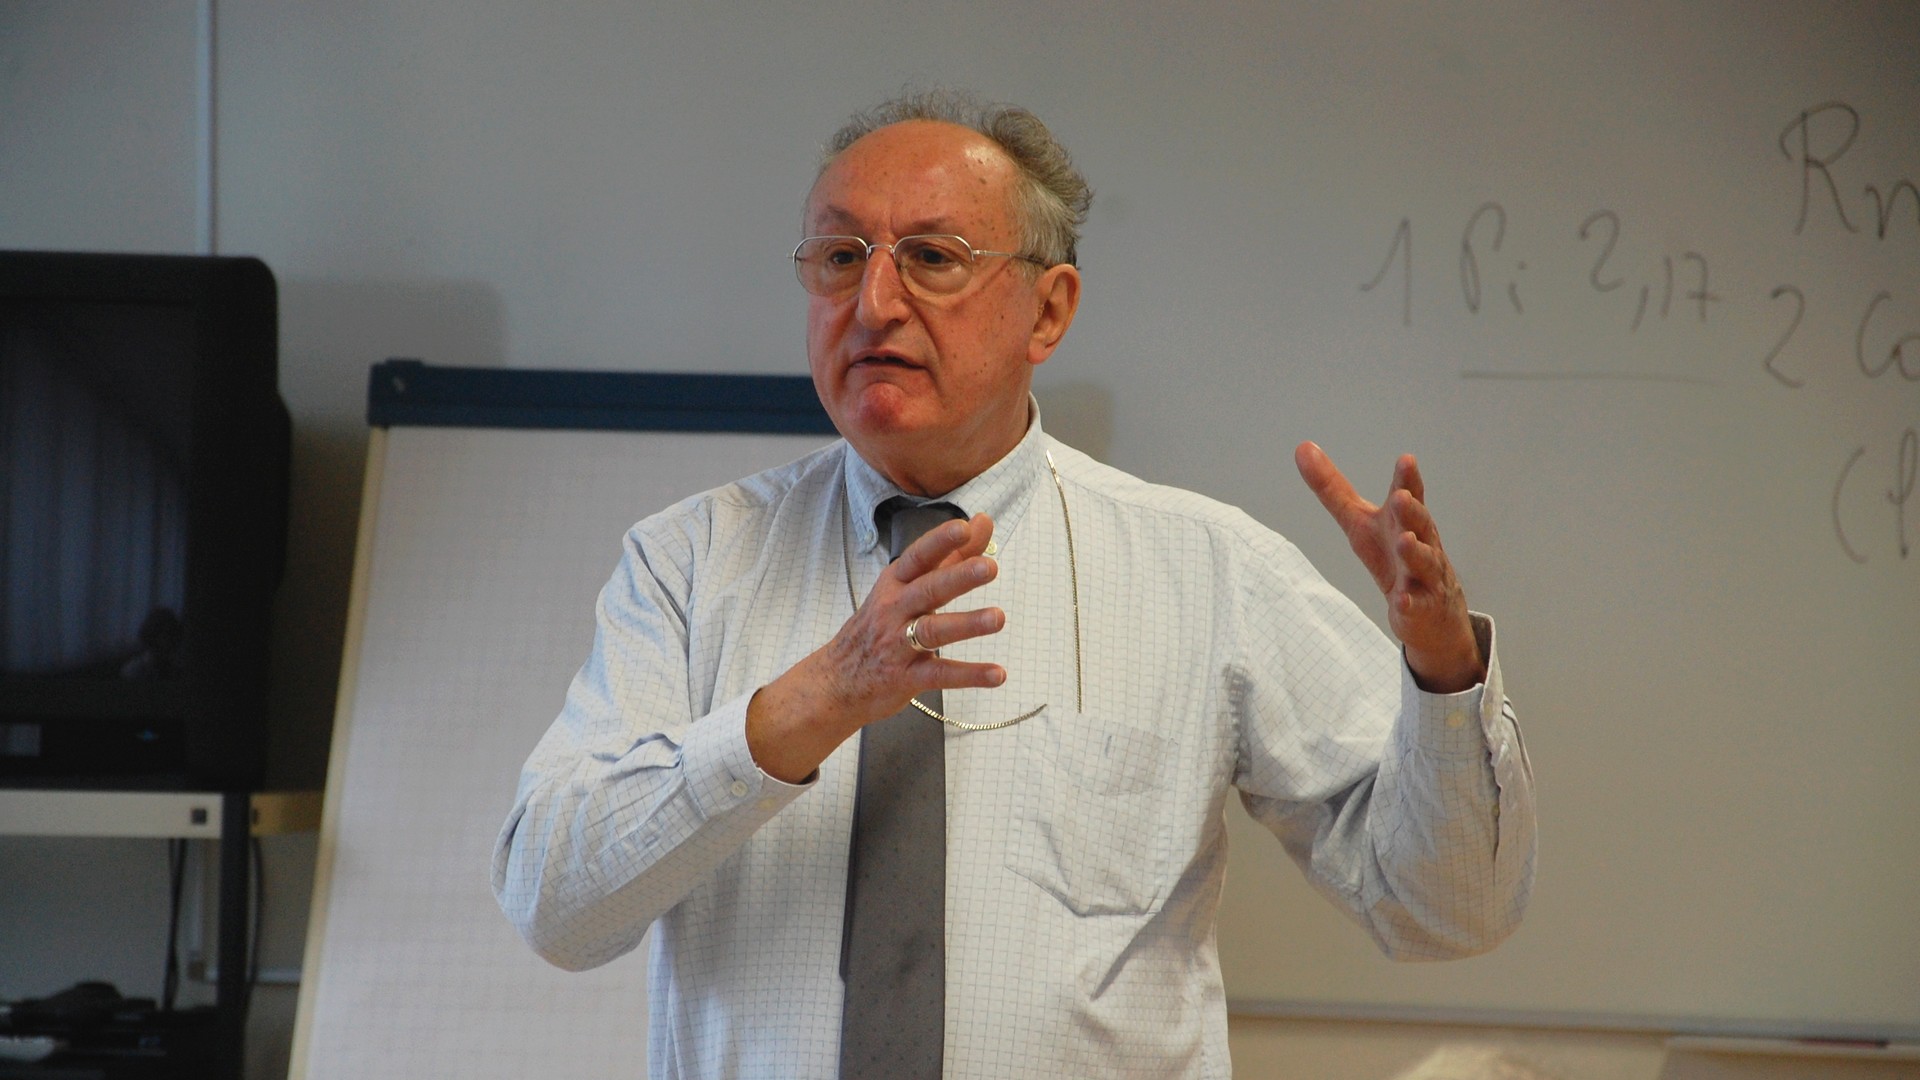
(1004, 491)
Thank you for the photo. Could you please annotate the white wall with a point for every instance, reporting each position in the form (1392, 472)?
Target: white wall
(99, 123)
(599, 185)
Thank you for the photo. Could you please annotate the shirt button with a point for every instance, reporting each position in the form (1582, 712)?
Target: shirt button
(993, 548)
(1457, 719)
(739, 789)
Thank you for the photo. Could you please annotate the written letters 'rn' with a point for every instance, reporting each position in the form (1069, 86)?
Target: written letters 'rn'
(1838, 124)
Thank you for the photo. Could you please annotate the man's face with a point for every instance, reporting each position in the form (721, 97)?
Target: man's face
(930, 391)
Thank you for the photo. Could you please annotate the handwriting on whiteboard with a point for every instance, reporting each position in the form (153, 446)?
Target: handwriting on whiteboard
(1640, 296)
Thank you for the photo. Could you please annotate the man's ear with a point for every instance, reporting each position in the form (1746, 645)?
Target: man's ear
(1059, 292)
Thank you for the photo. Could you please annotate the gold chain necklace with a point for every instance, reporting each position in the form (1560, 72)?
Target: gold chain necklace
(1073, 577)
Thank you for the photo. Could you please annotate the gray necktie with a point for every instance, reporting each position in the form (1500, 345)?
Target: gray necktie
(893, 946)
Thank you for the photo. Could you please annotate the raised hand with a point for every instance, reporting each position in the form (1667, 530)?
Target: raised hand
(1399, 544)
(870, 667)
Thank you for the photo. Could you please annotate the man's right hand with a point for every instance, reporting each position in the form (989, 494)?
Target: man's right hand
(868, 671)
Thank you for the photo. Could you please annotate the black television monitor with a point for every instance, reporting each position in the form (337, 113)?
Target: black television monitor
(143, 518)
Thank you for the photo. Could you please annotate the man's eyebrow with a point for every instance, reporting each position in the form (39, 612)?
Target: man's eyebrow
(833, 215)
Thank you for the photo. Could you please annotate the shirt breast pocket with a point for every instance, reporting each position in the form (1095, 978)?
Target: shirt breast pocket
(1089, 813)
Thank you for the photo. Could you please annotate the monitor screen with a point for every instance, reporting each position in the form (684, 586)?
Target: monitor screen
(95, 502)
(142, 509)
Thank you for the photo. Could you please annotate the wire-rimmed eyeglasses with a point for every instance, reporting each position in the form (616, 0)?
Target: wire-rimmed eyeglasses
(928, 265)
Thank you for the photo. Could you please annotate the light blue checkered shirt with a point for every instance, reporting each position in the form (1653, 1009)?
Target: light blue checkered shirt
(1086, 847)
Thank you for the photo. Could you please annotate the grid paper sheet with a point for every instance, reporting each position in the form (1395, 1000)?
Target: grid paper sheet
(486, 552)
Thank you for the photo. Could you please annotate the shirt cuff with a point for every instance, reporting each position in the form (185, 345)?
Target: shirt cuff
(1463, 724)
(720, 771)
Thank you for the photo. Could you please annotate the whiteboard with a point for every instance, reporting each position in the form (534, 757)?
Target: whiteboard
(482, 552)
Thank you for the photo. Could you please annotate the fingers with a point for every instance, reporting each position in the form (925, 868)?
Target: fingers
(1399, 543)
(938, 569)
(1398, 540)
(1406, 474)
(944, 565)
(1337, 493)
(935, 570)
(941, 629)
(938, 588)
(868, 670)
(1406, 513)
(939, 673)
(1428, 613)
(1421, 561)
(1404, 508)
(951, 541)
(1330, 485)
(1422, 571)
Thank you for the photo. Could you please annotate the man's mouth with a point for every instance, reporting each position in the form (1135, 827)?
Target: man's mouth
(884, 360)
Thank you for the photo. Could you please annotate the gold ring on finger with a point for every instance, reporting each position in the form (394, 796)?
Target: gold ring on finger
(913, 636)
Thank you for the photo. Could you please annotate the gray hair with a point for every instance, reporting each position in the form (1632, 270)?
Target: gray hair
(1052, 198)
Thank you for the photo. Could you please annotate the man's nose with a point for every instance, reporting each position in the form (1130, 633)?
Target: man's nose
(883, 296)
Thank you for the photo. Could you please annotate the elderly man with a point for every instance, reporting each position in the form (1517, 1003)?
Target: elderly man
(960, 812)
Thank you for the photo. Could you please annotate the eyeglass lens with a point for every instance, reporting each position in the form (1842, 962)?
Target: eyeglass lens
(935, 265)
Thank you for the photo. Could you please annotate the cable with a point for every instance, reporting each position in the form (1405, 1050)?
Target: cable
(176, 873)
(259, 914)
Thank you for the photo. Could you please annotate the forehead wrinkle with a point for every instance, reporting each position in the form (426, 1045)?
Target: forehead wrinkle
(841, 218)
(880, 175)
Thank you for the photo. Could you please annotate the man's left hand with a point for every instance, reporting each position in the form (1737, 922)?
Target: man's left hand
(1400, 546)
